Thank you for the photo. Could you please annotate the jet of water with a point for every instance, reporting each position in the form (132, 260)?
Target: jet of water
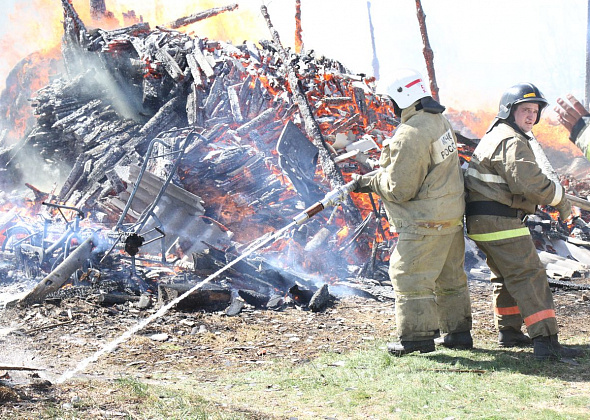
(111, 346)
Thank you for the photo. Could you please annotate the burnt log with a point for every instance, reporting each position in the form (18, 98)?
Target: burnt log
(188, 20)
(209, 296)
(54, 280)
(427, 50)
(197, 60)
(256, 122)
(108, 299)
(254, 298)
(321, 299)
(194, 106)
(73, 178)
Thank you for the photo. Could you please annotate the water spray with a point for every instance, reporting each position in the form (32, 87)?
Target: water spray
(333, 198)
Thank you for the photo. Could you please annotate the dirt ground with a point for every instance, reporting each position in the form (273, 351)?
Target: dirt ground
(58, 338)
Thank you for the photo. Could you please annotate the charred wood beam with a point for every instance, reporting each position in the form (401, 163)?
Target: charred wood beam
(209, 296)
(197, 58)
(84, 110)
(427, 51)
(331, 170)
(215, 94)
(98, 9)
(160, 121)
(74, 176)
(107, 299)
(256, 122)
(133, 29)
(298, 30)
(70, 13)
(187, 20)
(116, 182)
(170, 64)
(234, 103)
(54, 280)
(194, 107)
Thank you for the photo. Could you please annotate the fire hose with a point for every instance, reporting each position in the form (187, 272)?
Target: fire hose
(579, 202)
(333, 198)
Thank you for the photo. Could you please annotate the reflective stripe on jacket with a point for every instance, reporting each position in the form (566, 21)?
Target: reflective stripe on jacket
(421, 183)
(503, 168)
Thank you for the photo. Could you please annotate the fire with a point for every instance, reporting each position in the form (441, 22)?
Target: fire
(36, 25)
(552, 134)
(477, 122)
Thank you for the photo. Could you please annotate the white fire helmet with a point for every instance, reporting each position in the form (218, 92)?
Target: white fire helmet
(404, 86)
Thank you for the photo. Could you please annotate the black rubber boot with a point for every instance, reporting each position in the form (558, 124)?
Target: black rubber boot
(458, 340)
(511, 337)
(548, 348)
(405, 347)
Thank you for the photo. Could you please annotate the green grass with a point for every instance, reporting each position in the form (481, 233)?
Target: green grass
(482, 384)
(488, 383)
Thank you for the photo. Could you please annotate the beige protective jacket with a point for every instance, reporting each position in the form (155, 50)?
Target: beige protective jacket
(503, 168)
(420, 181)
(581, 136)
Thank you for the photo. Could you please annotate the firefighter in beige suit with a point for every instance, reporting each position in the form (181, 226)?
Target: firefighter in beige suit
(504, 183)
(572, 114)
(421, 186)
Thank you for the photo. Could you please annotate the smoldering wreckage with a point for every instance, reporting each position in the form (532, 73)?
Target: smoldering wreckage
(182, 157)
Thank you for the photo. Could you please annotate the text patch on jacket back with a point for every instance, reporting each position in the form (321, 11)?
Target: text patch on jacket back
(443, 147)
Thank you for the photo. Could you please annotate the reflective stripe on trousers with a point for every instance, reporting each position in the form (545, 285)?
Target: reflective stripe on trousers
(503, 234)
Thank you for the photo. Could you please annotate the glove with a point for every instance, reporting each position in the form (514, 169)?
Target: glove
(565, 208)
(362, 183)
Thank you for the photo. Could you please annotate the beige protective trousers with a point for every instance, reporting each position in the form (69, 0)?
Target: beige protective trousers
(430, 285)
(519, 279)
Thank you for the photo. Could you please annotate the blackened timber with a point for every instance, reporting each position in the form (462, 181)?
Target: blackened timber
(108, 299)
(201, 60)
(195, 69)
(54, 280)
(215, 94)
(209, 296)
(161, 120)
(170, 64)
(73, 177)
(70, 12)
(115, 180)
(98, 9)
(298, 29)
(194, 108)
(331, 170)
(256, 122)
(76, 114)
(427, 51)
(188, 20)
(234, 103)
(256, 100)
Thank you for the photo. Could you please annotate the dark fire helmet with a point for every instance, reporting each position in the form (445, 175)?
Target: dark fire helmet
(522, 92)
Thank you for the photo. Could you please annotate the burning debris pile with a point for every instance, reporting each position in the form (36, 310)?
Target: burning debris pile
(172, 154)
(183, 149)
